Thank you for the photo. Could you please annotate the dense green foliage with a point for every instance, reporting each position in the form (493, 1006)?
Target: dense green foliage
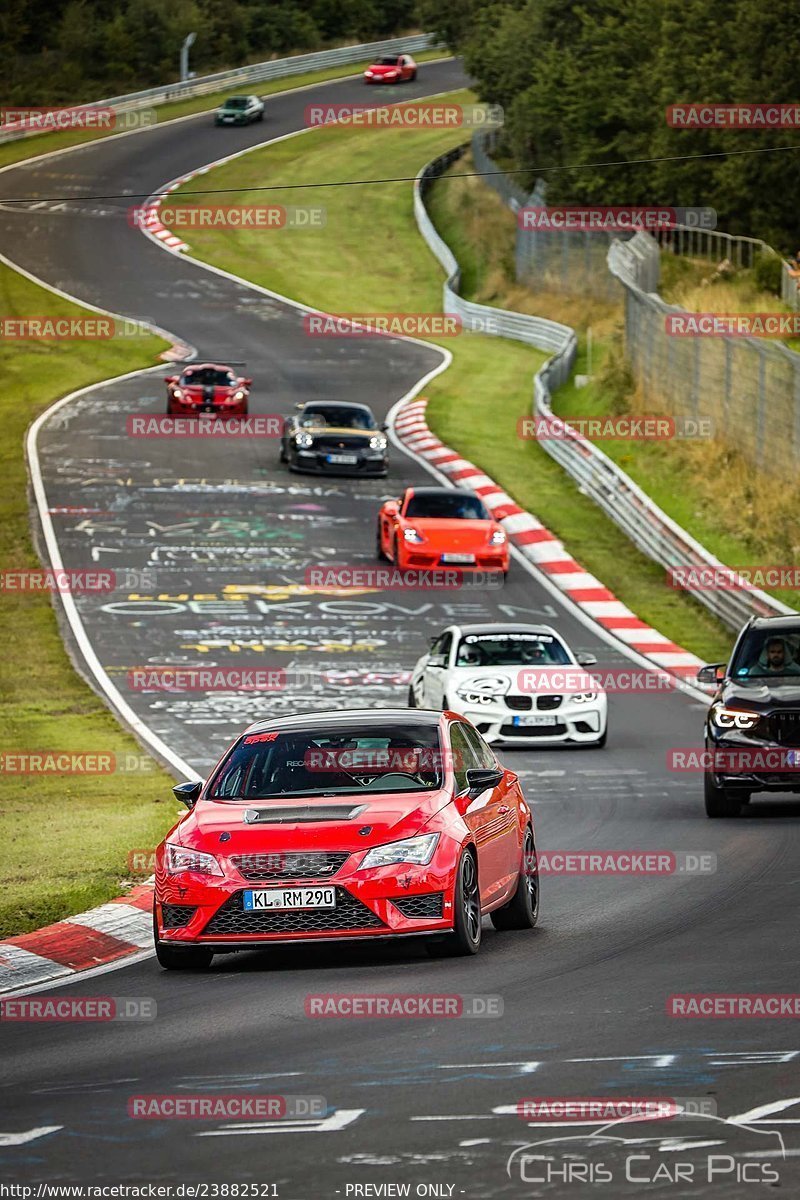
(586, 83)
(57, 51)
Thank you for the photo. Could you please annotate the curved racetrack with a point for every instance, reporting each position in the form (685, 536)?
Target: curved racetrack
(229, 535)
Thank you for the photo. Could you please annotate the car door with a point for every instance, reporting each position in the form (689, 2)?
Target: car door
(505, 807)
(481, 815)
(434, 677)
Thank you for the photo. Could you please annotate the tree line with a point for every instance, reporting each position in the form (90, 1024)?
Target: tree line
(585, 87)
(64, 51)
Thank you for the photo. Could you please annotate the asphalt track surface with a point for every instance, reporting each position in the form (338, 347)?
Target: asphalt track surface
(415, 1102)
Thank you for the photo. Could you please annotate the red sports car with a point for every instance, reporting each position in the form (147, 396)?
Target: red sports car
(441, 527)
(394, 68)
(207, 388)
(349, 825)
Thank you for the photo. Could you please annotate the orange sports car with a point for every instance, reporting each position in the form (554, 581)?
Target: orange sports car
(441, 527)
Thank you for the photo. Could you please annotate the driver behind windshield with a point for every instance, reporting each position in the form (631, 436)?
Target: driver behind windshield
(776, 658)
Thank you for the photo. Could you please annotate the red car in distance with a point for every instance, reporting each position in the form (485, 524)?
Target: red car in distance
(393, 68)
(347, 826)
(431, 527)
(207, 388)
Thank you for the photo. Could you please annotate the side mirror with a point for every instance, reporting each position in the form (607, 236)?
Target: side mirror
(437, 660)
(247, 382)
(300, 404)
(385, 426)
(481, 778)
(188, 793)
(170, 379)
(586, 660)
(714, 673)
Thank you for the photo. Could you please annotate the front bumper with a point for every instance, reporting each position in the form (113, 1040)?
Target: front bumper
(765, 760)
(176, 409)
(315, 462)
(572, 723)
(413, 557)
(192, 911)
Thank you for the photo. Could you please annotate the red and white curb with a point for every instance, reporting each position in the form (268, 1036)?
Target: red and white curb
(542, 548)
(148, 217)
(91, 939)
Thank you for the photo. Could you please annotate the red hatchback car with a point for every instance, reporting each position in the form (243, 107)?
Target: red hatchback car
(207, 388)
(429, 527)
(350, 825)
(394, 68)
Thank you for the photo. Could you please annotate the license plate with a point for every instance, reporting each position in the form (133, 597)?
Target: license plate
(257, 900)
(458, 558)
(535, 719)
(793, 758)
(343, 460)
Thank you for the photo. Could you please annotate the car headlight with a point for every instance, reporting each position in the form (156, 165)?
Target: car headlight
(583, 697)
(238, 395)
(179, 859)
(303, 440)
(178, 394)
(733, 718)
(378, 442)
(412, 535)
(369, 74)
(483, 691)
(418, 850)
(498, 538)
(391, 74)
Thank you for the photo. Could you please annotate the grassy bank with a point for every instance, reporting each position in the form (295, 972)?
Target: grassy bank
(66, 838)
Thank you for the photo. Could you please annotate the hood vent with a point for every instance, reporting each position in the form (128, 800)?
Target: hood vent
(302, 813)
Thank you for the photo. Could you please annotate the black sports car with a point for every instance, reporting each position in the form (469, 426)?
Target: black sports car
(334, 437)
(753, 725)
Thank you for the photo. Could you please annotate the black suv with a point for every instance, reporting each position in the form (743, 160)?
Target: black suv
(753, 724)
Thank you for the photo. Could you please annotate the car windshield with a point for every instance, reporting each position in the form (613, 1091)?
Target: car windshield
(338, 416)
(388, 62)
(207, 377)
(447, 504)
(765, 653)
(333, 761)
(510, 649)
(236, 102)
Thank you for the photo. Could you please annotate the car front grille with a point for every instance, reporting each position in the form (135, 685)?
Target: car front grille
(784, 727)
(311, 865)
(548, 702)
(429, 906)
(339, 445)
(177, 916)
(349, 914)
(520, 703)
(532, 731)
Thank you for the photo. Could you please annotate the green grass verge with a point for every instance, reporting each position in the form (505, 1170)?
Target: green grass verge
(65, 838)
(475, 405)
(12, 152)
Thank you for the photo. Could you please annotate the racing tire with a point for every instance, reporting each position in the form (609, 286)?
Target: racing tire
(601, 741)
(720, 801)
(522, 910)
(189, 958)
(283, 456)
(260, 116)
(412, 77)
(412, 700)
(465, 939)
(381, 554)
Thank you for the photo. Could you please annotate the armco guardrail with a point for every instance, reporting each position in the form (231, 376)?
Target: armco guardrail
(277, 68)
(656, 534)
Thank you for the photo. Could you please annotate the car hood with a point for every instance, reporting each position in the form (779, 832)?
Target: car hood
(763, 694)
(453, 534)
(338, 431)
(383, 818)
(462, 675)
(382, 69)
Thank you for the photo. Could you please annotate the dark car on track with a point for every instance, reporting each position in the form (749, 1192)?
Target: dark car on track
(752, 733)
(334, 437)
(239, 110)
(336, 826)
